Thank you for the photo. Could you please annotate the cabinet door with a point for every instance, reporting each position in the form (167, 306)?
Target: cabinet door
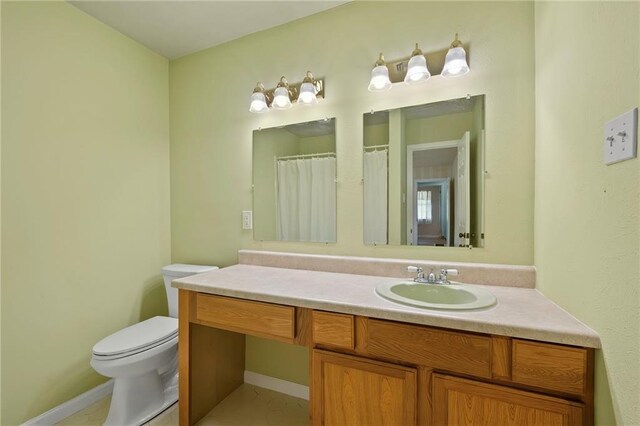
(459, 401)
(348, 390)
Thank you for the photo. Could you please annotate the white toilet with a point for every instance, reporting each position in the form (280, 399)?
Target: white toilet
(143, 360)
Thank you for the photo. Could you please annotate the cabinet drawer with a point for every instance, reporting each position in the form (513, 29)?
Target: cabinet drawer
(333, 329)
(245, 316)
(550, 366)
(465, 353)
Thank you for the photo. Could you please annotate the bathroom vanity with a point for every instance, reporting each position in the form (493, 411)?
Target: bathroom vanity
(523, 361)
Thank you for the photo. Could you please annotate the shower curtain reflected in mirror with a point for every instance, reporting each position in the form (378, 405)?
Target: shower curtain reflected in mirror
(375, 197)
(306, 199)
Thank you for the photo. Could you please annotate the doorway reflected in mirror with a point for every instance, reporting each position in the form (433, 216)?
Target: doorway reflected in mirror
(430, 191)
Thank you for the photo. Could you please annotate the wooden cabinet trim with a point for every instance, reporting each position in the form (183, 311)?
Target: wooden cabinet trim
(303, 327)
(501, 358)
(333, 329)
(361, 334)
(246, 316)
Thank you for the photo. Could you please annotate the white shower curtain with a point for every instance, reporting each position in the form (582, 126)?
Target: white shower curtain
(375, 197)
(306, 199)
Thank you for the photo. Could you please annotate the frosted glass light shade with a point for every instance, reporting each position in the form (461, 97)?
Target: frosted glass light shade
(258, 103)
(379, 79)
(455, 63)
(281, 98)
(307, 94)
(417, 70)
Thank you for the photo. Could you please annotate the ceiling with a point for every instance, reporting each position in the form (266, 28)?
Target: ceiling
(179, 27)
(434, 157)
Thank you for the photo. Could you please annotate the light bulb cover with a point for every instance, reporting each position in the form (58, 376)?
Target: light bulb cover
(281, 99)
(307, 94)
(258, 100)
(417, 70)
(379, 76)
(258, 103)
(455, 63)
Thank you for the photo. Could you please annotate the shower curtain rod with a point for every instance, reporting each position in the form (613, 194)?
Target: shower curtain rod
(374, 147)
(291, 157)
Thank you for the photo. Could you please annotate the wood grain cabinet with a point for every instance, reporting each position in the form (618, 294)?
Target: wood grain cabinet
(460, 402)
(377, 372)
(353, 391)
(373, 372)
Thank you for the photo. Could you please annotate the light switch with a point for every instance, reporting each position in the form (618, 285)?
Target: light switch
(621, 137)
(247, 219)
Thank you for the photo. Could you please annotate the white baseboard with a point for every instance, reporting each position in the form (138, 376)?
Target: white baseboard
(80, 402)
(278, 385)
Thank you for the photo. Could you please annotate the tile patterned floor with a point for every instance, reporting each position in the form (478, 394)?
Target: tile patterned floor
(246, 406)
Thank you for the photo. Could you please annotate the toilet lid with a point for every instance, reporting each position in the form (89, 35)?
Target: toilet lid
(144, 334)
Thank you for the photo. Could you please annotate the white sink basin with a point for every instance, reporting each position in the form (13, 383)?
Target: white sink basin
(453, 296)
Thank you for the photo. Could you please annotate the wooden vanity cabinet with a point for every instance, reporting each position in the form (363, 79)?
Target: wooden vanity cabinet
(370, 372)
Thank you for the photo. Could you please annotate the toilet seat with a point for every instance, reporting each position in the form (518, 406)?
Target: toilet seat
(137, 338)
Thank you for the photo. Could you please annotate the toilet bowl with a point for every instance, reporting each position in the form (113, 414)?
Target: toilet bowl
(143, 360)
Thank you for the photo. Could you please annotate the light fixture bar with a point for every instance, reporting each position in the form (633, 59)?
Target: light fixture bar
(293, 90)
(435, 60)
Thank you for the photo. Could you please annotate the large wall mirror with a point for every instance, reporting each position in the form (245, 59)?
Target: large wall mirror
(294, 182)
(424, 174)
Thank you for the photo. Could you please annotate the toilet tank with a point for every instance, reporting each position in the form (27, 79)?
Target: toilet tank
(175, 271)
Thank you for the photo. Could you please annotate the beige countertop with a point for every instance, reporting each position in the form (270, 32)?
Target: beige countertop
(520, 312)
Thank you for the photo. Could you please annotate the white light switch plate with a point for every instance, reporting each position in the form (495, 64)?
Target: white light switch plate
(621, 137)
(247, 219)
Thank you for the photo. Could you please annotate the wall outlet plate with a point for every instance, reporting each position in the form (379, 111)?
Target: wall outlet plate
(621, 137)
(247, 219)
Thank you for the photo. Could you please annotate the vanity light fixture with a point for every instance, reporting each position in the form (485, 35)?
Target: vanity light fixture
(380, 76)
(417, 70)
(455, 63)
(414, 69)
(283, 96)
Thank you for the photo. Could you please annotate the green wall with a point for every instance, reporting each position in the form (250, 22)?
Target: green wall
(85, 191)
(587, 215)
(376, 134)
(211, 140)
(439, 128)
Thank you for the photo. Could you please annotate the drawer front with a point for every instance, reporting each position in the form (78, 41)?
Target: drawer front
(440, 349)
(245, 316)
(550, 366)
(333, 329)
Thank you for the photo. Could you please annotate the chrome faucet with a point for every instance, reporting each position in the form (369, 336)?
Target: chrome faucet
(431, 278)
